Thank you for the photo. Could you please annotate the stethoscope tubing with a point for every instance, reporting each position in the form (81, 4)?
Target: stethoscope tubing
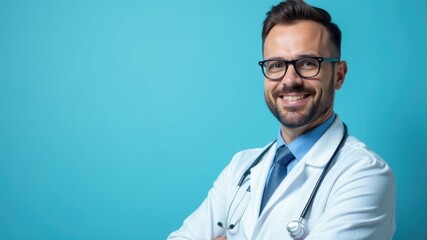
(254, 163)
(322, 176)
(312, 195)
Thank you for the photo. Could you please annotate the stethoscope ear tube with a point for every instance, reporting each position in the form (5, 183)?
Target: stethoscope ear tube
(229, 226)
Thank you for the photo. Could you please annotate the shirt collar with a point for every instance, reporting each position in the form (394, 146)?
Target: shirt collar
(302, 144)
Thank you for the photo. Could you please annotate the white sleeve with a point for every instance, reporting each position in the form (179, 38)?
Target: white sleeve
(361, 204)
(202, 223)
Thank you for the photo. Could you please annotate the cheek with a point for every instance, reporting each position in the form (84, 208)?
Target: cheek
(269, 86)
(323, 85)
(320, 90)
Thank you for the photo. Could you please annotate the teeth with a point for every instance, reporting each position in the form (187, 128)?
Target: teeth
(293, 98)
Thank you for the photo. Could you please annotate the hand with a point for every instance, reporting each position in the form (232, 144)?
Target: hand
(221, 238)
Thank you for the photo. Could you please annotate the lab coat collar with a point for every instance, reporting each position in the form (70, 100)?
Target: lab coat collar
(323, 149)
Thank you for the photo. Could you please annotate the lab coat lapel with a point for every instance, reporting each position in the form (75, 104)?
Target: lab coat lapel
(259, 175)
(284, 188)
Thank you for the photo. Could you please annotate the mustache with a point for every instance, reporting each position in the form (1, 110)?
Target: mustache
(292, 89)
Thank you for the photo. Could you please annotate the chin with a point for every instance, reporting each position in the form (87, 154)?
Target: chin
(294, 120)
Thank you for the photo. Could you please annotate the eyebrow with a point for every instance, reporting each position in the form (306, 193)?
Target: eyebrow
(298, 57)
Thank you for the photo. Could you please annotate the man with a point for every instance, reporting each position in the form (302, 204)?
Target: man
(356, 197)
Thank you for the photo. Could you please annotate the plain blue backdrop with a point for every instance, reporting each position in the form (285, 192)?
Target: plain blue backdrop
(117, 116)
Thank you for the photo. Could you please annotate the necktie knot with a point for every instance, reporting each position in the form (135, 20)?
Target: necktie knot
(284, 155)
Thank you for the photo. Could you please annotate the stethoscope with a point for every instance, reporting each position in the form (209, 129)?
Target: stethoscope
(295, 228)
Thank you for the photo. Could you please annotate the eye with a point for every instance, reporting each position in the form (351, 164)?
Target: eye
(307, 63)
(274, 66)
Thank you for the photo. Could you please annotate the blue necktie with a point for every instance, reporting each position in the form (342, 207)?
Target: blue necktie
(278, 173)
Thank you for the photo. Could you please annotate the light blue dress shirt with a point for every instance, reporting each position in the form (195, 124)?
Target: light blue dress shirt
(302, 144)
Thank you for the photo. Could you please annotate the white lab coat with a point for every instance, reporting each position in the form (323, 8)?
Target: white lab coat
(356, 199)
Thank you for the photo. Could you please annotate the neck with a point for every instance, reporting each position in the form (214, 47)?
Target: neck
(290, 134)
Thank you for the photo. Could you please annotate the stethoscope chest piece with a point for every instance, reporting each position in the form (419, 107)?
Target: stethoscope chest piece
(295, 229)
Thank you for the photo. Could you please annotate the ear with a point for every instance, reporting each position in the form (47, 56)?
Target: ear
(340, 74)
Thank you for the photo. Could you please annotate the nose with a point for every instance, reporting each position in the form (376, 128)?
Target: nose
(291, 78)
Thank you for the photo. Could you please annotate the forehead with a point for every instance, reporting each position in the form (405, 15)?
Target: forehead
(297, 39)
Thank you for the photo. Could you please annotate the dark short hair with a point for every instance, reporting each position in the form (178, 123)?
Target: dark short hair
(290, 11)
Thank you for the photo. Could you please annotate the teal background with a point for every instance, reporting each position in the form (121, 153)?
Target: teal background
(117, 116)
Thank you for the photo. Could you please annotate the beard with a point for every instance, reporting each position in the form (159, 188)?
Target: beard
(294, 117)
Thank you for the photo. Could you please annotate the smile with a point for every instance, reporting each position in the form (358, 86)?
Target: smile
(293, 98)
(299, 100)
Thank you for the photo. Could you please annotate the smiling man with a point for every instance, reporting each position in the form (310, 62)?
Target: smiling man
(301, 97)
(315, 181)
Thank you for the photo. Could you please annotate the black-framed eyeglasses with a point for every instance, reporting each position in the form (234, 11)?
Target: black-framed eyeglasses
(306, 67)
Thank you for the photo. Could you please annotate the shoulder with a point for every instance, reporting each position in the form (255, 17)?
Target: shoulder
(357, 163)
(356, 152)
(247, 156)
(243, 159)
